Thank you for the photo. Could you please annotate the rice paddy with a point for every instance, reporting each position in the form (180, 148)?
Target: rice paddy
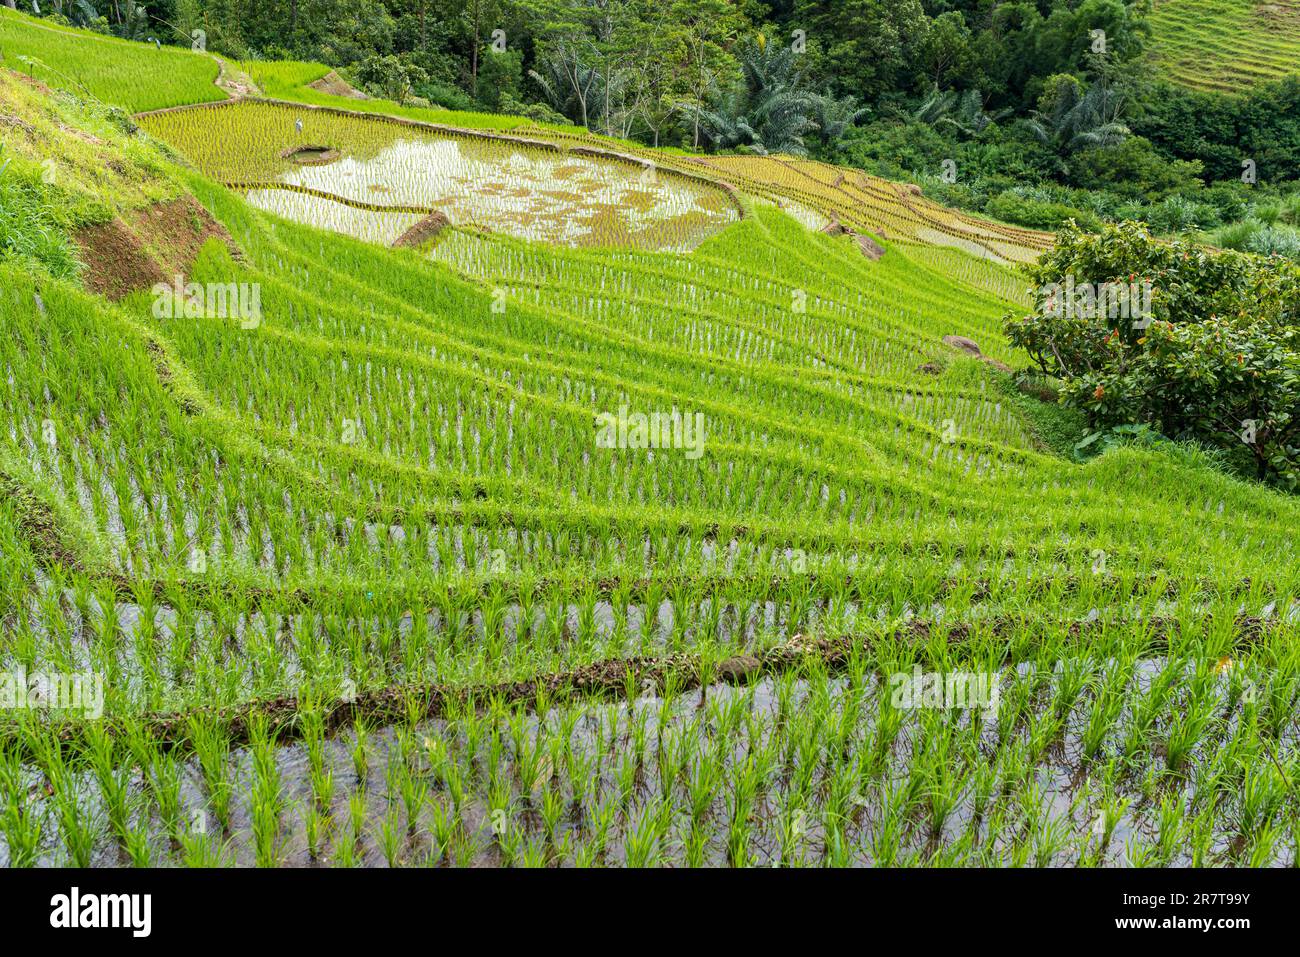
(371, 178)
(1226, 45)
(391, 571)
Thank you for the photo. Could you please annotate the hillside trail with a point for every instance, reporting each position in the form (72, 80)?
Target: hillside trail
(233, 82)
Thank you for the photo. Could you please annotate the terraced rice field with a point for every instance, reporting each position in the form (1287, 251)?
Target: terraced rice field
(892, 211)
(368, 562)
(1226, 45)
(363, 580)
(373, 178)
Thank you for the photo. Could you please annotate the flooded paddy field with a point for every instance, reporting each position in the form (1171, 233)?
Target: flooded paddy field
(373, 179)
(1117, 762)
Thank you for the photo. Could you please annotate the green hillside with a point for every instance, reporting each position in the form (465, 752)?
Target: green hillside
(365, 583)
(135, 76)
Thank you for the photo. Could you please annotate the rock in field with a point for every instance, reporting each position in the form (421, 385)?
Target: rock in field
(741, 666)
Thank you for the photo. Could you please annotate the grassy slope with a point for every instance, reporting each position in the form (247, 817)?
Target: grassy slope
(382, 391)
(1226, 45)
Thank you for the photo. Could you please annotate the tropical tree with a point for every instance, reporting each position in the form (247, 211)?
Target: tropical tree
(1212, 353)
(566, 77)
(963, 112)
(706, 29)
(946, 47)
(865, 47)
(834, 116)
(393, 77)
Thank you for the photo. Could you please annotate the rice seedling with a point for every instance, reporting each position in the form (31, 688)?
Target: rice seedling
(140, 846)
(212, 748)
(266, 796)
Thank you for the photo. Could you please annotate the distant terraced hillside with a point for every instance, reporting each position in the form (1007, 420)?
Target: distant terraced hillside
(502, 551)
(1226, 45)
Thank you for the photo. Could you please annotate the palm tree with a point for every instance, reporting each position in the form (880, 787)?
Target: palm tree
(568, 82)
(834, 117)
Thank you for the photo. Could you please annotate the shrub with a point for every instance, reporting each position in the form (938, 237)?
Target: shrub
(1217, 358)
(1175, 214)
(446, 96)
(1011, 207)
(1264, 239)
(537, 112)
(1276, 240)
(893, 148)
(1135, 169)
(1232, 200)
(500, 77)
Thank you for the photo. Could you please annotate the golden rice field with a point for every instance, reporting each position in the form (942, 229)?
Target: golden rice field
(1226, 45)
(816, 193)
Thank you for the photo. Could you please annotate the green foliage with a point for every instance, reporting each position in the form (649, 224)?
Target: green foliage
(769, 111)
(1261, 238)
(1072, 116)
(447, 97)
(864, 48)
(962, 113)
(1140, 435)
(392, 77)
(537, 112)
(1133, 168)
(500, 78)
(1012, 207)
(1260, 123)
(1216, 359)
